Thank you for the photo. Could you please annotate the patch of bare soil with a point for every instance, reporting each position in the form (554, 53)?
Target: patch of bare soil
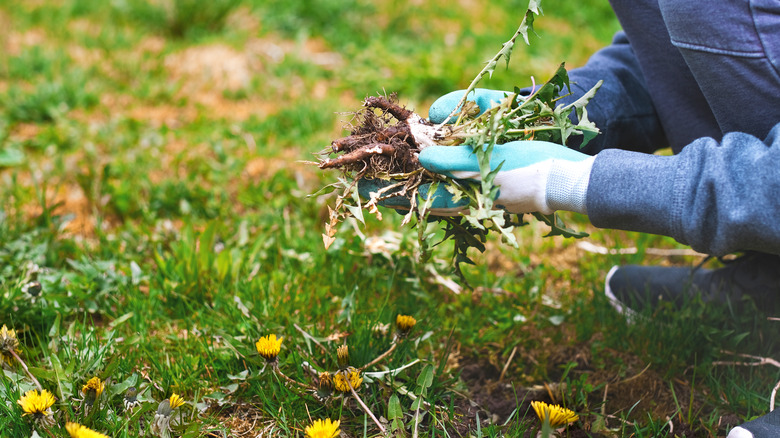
(69, 201)
(16, 42)
(624, 392)
(215, 66)
(241, 420)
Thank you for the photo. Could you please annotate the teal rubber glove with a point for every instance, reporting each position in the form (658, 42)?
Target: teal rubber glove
(535, 176)
(442, 202)
(483, 97)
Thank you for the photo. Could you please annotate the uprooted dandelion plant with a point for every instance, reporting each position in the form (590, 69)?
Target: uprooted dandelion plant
(386, 138)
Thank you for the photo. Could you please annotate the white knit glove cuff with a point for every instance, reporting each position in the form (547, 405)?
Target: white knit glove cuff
(567, 184)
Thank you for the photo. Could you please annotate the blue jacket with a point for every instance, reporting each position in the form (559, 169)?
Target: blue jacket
(705, 83)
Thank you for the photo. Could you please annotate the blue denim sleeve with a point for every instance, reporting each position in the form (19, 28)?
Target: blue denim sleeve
(716, 197)
(622, 108)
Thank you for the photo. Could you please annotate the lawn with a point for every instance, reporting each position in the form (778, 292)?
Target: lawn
(158, 225)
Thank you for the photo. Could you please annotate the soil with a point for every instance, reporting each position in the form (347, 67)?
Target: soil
(623, 395)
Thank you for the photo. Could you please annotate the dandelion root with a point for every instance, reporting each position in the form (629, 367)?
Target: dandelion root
(382, 140)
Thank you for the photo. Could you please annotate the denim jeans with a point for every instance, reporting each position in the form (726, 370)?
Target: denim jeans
(704, 79)
(685, 70)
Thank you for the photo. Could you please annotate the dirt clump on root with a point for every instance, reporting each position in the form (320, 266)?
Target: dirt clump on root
(381, 141)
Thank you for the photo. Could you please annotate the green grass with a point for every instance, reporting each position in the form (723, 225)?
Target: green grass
(165, 212)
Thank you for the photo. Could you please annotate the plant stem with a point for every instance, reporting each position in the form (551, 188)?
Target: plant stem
(532, 128)
(489, 68)
(546, 431)
(365, 408)
(381, 356)
(19, 359)
(295, 382)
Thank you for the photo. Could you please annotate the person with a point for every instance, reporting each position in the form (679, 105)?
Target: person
(700, 78)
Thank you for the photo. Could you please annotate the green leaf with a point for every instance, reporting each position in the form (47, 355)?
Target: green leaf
(121, 319)
(394, 410)
(347, 306)
(43, 374)
(588, 129)
(527, 25)
(357, 209)
(10, 156)
(324, 191)
(121, 387)
(549, 92)
(585, 98)
(425, 379)
(557, 227)
(534, 8)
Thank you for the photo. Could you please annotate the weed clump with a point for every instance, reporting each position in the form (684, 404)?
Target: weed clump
(386, 138)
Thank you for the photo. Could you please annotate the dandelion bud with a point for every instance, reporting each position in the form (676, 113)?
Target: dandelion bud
(32, 288)
(9, 344)
(342, 354)
(325, 381)
(162, 419)
(164, 408)
(404, 324)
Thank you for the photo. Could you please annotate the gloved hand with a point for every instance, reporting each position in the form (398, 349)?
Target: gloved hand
(535, 176)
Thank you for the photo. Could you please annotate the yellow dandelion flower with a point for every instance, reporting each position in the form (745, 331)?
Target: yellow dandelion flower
(323, 429)
(404, 323)
(342, 356)
(39, 406)
(9, 344)
(92, 389)
(34, 403)
(346, 378)
(557, 415)
(78, 431)
(175, 401)
(269, 347)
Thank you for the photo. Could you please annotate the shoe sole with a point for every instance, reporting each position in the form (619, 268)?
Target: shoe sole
(616, 304)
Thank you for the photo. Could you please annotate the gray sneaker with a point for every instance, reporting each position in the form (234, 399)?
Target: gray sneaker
(767, 426)
(634, 288)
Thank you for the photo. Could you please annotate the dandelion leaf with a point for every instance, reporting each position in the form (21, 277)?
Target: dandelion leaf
(557, 227)
(534, 8)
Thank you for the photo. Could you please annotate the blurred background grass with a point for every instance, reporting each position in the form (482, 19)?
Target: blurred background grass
(154, 182)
